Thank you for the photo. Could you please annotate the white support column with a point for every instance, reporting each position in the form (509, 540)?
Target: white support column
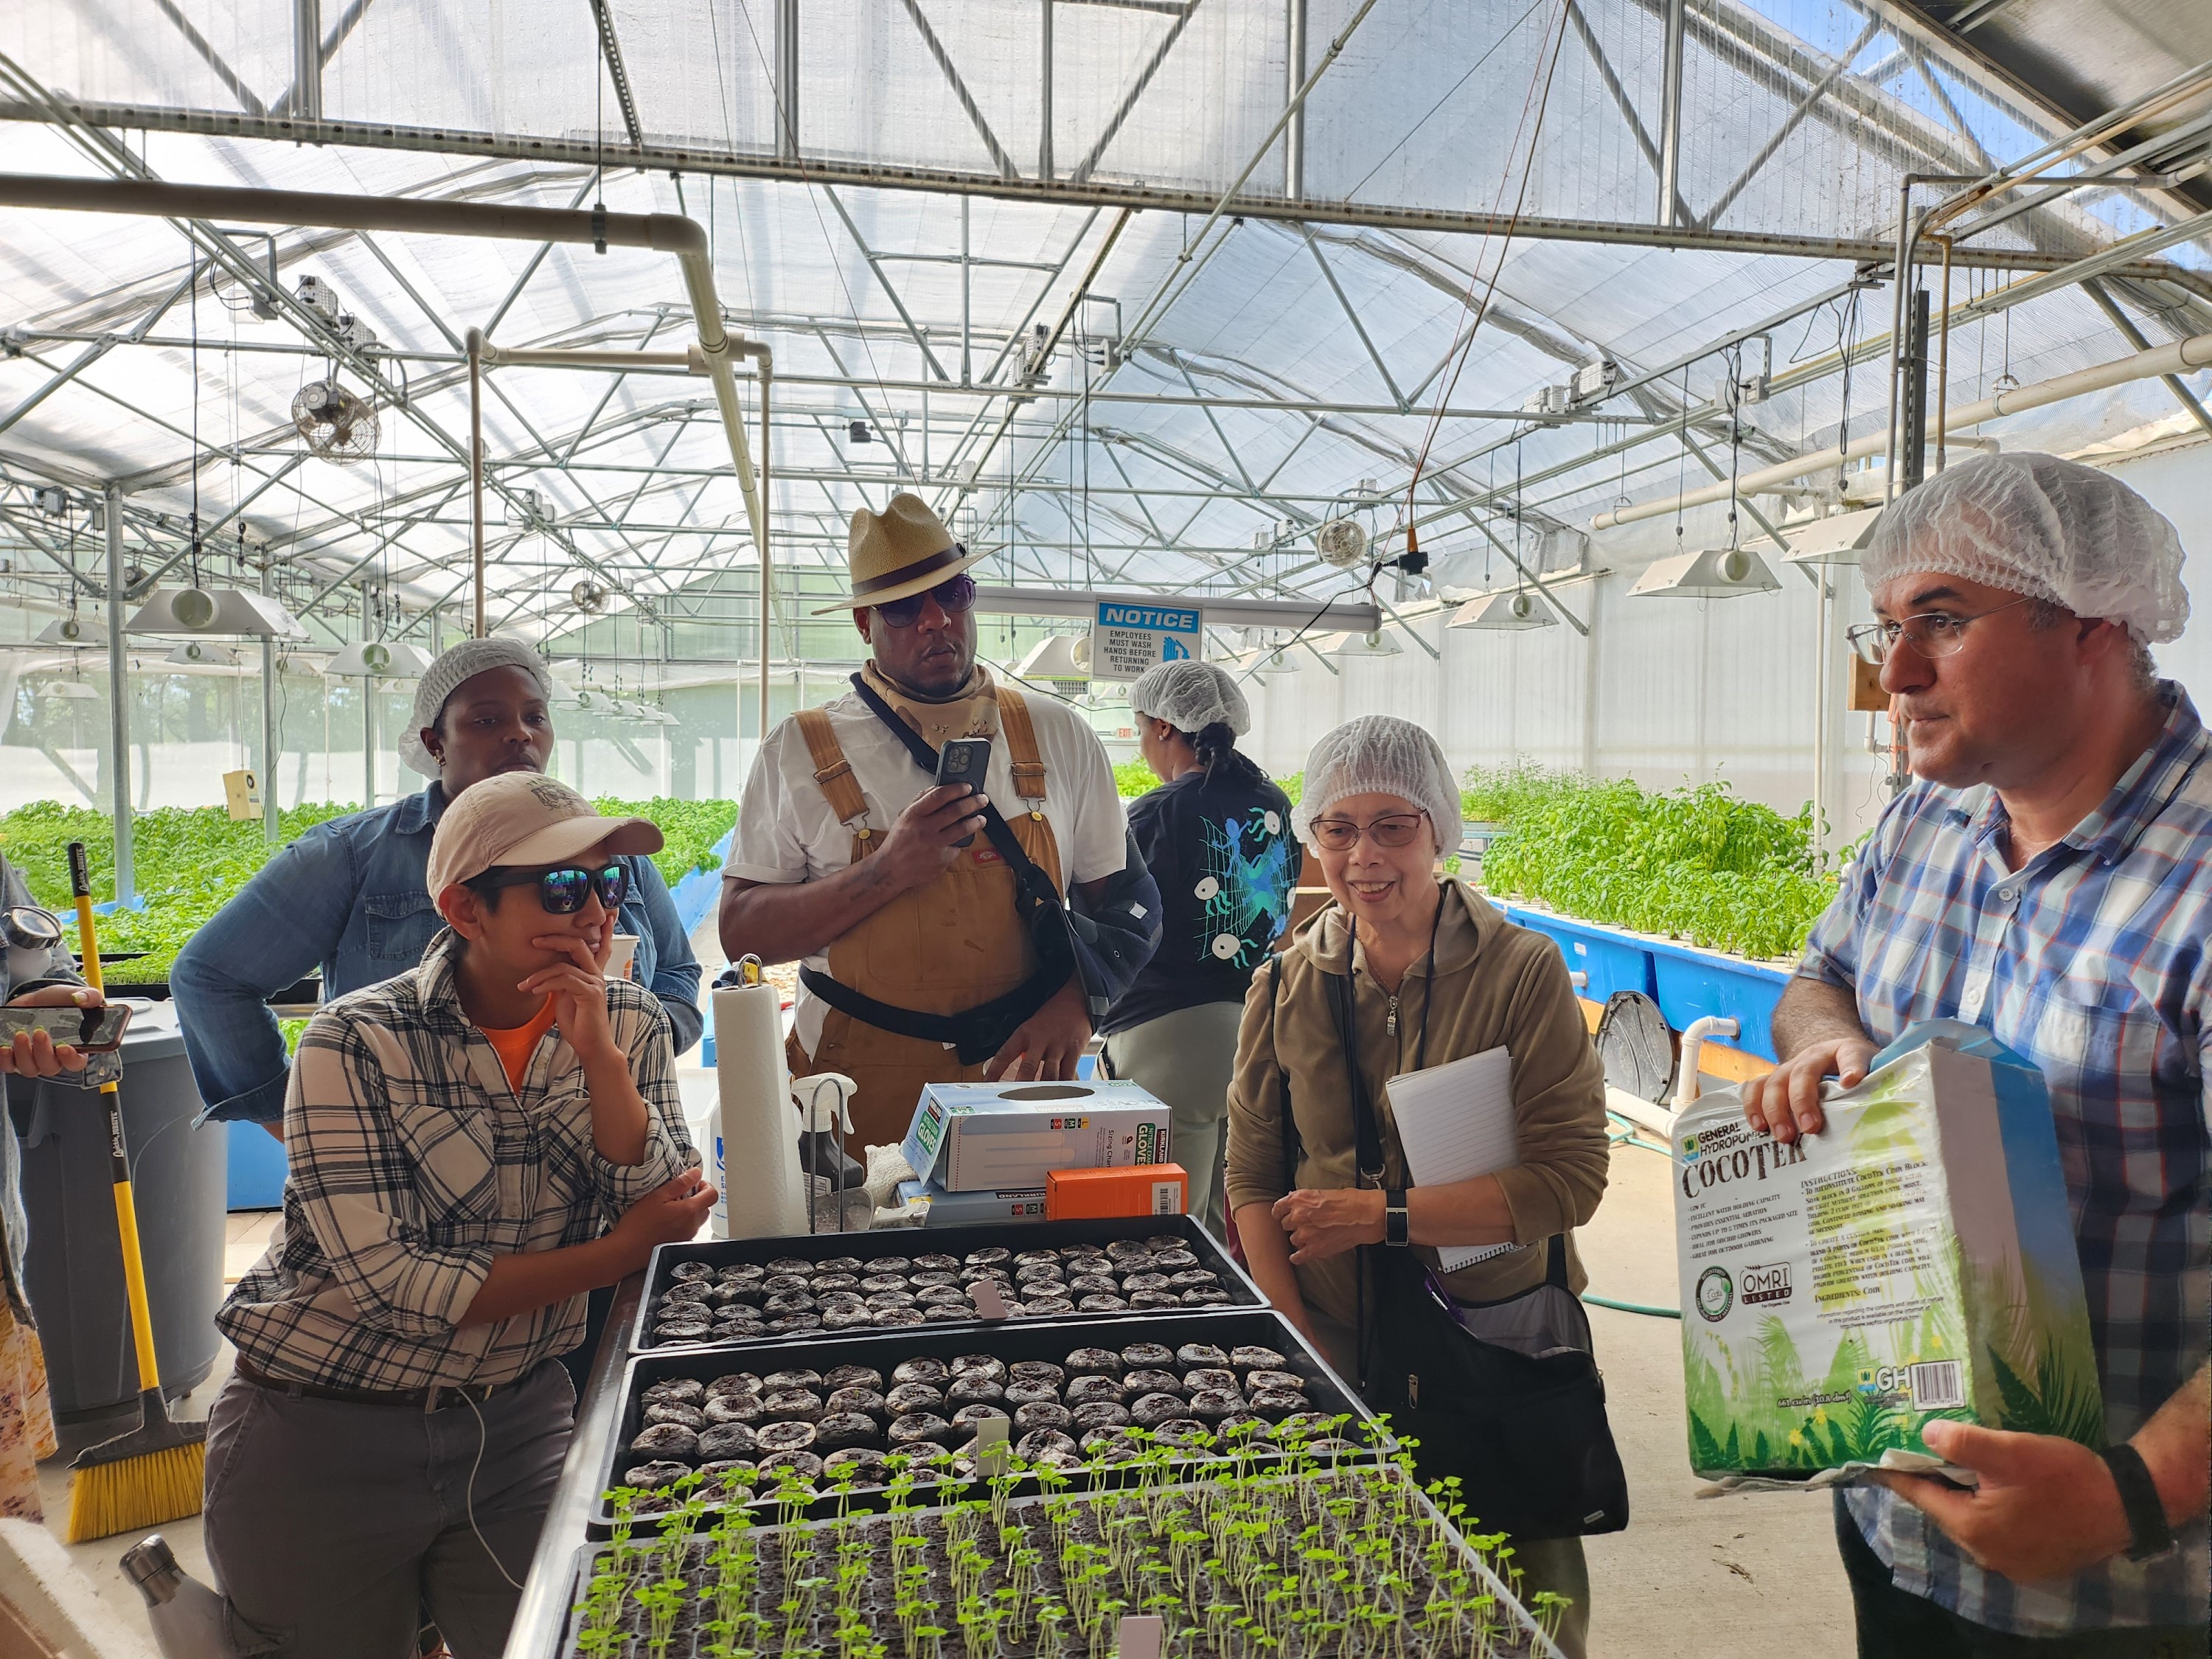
(1294, 135)
(1044, 105)
(271, 741)
(787, 80)
(119, 693)
(307, 59)
(1670, 114)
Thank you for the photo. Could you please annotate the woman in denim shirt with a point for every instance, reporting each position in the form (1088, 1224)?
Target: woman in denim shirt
(349, 897)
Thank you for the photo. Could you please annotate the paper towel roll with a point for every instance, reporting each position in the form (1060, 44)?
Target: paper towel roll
(760, 1131)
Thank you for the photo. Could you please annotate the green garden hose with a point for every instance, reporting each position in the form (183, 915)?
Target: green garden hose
(1631, 1307)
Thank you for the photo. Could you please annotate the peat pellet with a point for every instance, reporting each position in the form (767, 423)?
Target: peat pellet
(1042, 1307)
(891, 1318)
(1018, 1395)
(918, 1427)
(839, 1429)
(1164, 1242)
(989, 1257)
(842, 1302)
(868, 1467)
(1276, 1405)
(923, 1369)
(980, 1365)
(741, 1294)
(1194, 1278)
(1201, 1353)
(1244, 1428)
(913, 1397)
(1171, 1260)
(1084, 1390)
(1122, 1248)
(877, 1301)
(888, 1264)
(1149, 1411)
(1256, 1380)
(825, 1282)
(787, 1436)
(1300, 1425)
(786, 1302)
(671, 1442)
(1036, 1258)
(852, 1376)
(1094, 1285)
(865, 1400)
(933, 1281)
(936, 1263)
(923, 1456)
(1140, 1299)
(942, 1296)
(666, 1411)
(1107, 1446)
(973, 1389)
(1209, 1378)
(1036, 1373)
(1043, 1414)
(974, 1275)
(792, 1324)
(676, 1391)
(1134, 1282)
(1039, 1273)
(1148, 1356)
(1095, 1362)
(948, 1312)
(792, 1406)
(1099, 1414)
(685, 1273)
(723, 1441)
(728, 1475)
(651, 1477)
(734, 1409)
(876, 1283)
(1215, 1405)
(688, 1291)
(1208, 1298)
(742, 1273)
(1153, 1381)
(680, 1330)
(1098, 1302)
(1038, 1442)
(804, 1464)
(848, 1319)
(782, 1284)
(965, 1419)
(838, 1264)
(790, 1264)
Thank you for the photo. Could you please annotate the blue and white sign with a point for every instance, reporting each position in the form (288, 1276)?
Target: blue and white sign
(1130, 637)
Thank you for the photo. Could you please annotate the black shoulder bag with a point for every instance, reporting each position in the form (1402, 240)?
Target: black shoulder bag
(1506, 1396)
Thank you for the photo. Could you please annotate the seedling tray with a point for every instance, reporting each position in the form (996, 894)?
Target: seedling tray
(1325, 1392)
(1360, 1561)
(1236, 1291)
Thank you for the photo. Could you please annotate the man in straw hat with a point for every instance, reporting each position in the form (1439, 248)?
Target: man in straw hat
(931, 929)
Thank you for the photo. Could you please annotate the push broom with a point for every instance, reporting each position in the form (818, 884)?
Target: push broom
(153, 1473)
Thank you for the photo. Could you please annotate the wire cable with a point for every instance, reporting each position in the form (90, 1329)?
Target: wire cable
(469, 1494)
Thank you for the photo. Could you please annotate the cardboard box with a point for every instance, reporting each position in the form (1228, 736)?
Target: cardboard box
(242, 795)
(1096, 1194)
(979, 1137)
(1915, 1260)
(940, 1208)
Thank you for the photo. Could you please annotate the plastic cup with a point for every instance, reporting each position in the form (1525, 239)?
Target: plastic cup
(625, 951)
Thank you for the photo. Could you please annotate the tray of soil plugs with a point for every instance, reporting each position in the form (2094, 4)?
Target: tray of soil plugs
(1305, 1560)
(826, 1423)
(729, 1293)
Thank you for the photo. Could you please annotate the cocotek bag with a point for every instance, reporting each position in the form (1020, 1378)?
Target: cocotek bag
(1914, 1261)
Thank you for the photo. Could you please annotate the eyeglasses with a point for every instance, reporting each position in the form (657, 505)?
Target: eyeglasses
(1933, 633)
(953, 598)
(1391, 829)
(562, 890)
(28, 927)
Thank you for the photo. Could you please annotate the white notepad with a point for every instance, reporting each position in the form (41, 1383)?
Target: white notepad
(1455, 1121)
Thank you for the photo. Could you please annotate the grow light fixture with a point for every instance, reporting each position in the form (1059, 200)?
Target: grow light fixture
(1377, 644)
(224, 611)
(1057, 657)
(73, 633)
(383, 660)
(1718, 573)
(1838, 539)
(70, 691)
(195, 654)
(1505, 611)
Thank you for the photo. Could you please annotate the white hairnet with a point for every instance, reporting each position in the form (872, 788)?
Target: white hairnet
(1381, 755)
(445, 677)
(1190, 696)
(2052, 529)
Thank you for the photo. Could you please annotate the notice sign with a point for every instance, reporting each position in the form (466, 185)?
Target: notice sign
(1129, 638)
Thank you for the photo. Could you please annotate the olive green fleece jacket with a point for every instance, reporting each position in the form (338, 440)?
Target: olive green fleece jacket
(1488, 984)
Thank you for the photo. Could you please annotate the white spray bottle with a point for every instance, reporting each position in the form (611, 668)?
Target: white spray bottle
(189, 1620)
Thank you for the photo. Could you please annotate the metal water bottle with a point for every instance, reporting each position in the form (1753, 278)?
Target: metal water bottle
(189, 1620)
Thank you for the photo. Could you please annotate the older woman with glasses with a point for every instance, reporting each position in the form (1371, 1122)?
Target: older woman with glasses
(1431, 973)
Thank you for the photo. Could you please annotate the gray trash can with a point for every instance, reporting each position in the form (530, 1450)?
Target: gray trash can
(75, 1265)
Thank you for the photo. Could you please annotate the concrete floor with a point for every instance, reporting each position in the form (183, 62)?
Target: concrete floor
(1738, 1577)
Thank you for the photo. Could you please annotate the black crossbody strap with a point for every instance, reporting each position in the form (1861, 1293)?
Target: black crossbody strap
(1288, 1121)
(1367, 1128)
(1000, 833)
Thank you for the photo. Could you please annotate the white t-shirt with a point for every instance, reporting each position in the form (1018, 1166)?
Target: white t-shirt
(786, 832)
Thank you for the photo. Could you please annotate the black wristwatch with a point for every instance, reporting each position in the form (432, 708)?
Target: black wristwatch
(2139, 1498)
(1397, 1225)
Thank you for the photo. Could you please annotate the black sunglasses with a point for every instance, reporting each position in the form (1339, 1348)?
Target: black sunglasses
(562, 890)
(953, 598)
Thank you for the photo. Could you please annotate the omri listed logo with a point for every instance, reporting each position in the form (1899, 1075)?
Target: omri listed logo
(1716, 1295)
(1766, 1284)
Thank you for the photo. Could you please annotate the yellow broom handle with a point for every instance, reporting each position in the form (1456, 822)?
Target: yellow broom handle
(126, 1211)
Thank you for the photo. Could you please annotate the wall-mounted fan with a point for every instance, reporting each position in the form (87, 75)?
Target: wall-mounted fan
(337, 425)
(1342, 543)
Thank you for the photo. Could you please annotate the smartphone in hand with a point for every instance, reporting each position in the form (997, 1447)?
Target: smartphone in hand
(965, 760)
(91, 1030)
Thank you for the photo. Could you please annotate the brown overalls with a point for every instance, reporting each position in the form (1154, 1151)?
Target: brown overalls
(939, 948)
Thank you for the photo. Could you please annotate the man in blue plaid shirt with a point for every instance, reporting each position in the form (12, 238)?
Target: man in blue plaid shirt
(2049, 876)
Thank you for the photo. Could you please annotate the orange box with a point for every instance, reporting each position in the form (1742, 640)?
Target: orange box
(1101, 1195)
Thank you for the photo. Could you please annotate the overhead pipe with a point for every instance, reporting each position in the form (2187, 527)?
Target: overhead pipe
(2181, 357)
(661, 233)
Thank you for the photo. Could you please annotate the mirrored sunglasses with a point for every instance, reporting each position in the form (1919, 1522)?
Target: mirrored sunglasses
(952, 597)
(562, 890)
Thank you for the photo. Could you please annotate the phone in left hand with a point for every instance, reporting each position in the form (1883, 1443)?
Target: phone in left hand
(965, 760)
(90, 1030)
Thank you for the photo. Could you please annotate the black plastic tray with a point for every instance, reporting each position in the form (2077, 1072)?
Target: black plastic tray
(1240, 1291)
(1011, 1339)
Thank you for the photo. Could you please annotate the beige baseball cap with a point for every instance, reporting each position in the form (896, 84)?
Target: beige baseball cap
(522, 819)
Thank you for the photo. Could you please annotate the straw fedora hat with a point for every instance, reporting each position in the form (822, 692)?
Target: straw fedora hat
(900, 551)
